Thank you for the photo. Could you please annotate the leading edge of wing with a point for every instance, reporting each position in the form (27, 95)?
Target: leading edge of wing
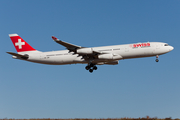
(69, 46)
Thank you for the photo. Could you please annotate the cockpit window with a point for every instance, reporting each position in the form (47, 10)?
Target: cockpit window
(166, 45)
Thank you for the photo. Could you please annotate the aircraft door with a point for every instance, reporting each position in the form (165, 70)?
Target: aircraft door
(156, 49)
(158, 46)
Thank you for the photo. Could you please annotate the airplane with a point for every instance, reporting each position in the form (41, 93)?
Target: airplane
(92, 56)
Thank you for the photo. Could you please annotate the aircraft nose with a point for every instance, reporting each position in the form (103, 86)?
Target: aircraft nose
(171, 48)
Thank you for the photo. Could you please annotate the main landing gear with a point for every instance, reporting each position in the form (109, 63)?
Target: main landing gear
(91, 67)
(157, 60)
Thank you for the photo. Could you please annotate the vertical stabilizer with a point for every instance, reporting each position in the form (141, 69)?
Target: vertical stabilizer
(20, 44)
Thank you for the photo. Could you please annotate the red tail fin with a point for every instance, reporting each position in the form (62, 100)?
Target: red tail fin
(20, 44)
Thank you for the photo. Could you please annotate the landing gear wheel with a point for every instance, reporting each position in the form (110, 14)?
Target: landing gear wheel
(90, 70)
(157, 60)
(91, 67)
(94, 68)
(87, 67)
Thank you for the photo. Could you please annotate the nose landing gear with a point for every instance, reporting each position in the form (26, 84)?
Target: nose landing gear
(157, 60)
(91, 67)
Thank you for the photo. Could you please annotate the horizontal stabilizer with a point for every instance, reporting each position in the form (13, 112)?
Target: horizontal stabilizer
(19, 55)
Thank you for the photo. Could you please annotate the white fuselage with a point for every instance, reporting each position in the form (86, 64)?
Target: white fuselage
(126, 51)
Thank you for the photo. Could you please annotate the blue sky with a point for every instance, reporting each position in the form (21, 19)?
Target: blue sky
(134, 88)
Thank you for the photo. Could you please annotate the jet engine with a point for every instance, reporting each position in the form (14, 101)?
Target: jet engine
(84, 51)
(109, 57)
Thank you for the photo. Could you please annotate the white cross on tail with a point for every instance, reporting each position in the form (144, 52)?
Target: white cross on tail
(19, 44)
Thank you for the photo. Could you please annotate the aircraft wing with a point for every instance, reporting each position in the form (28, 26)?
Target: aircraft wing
(69, 46)
(75, 48)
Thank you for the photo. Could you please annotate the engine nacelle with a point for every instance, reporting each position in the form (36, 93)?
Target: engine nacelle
(84, 51)
(110, 57)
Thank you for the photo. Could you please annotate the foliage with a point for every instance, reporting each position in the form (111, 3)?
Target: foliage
(147, 118)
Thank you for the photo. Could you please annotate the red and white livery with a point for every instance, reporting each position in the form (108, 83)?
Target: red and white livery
(91, 56)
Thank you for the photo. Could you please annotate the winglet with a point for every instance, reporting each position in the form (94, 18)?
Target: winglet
(54, 38)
